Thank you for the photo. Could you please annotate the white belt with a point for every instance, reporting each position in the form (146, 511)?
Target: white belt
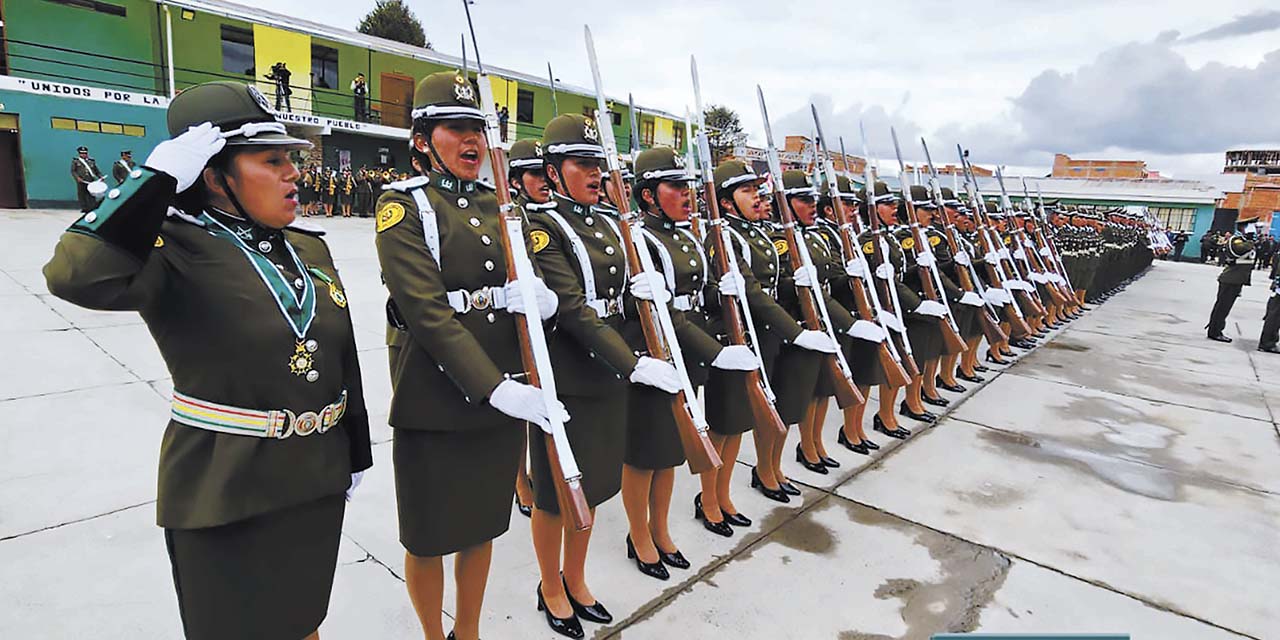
(605, 307)
(464, 301)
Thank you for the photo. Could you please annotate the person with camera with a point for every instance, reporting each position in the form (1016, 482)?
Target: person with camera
(280, 74)
(360, 89)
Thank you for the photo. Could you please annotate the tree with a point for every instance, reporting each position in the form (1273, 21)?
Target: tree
(392, 19)
(724, 131)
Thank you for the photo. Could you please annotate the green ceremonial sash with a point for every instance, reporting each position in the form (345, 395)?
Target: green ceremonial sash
(298, 309)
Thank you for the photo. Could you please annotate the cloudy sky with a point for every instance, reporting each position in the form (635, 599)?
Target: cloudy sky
(1174, 83)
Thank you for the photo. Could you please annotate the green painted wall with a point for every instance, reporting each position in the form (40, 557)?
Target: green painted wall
(81, 46)
(197, 49)
(47, 152)
(340, 103)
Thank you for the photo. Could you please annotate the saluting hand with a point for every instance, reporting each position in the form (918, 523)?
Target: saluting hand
(186, 155)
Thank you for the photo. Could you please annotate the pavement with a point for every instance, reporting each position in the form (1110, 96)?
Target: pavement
(1121, 478)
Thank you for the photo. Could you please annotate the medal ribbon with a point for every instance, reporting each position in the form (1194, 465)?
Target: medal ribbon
(298, 309)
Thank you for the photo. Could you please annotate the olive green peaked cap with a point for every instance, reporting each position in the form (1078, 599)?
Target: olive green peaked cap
(572, 134)
(525, 154)
(797, 183)
(663, 164)
(240, 110)
(446, 95)
(882, 194)
(732, 173)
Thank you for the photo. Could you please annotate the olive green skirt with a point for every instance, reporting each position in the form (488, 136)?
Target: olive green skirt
(925, 337)
(795, 377)
(653, 441)
(454, 489)
(724, 399)
(967, 320)
(267, 577)
(597, 434)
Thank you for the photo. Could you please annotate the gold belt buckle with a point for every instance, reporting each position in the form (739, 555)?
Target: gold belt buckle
(613, 307)
(481, 298)
(306, 423)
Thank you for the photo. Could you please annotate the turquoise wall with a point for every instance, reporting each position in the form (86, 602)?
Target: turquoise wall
(83, 46)
(47, 152)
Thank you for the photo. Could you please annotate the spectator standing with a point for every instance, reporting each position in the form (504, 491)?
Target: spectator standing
(504, 116)
(360, 90)
(121, 169)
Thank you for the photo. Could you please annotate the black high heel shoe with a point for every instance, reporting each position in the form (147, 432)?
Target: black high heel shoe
(594, 612)
(830, 462)
(651, 569)
(569, 627)
(777, 495)
(736, 519)
(980, 368)
(870, 445)
(937, 402)
(904, 410)
(898, 432)
(674, 559)
(525, 510)
(861, 447)
(996, 361)
(721, 528)
(789, 489)
(953, 388)
(975, 378)
(816, 467)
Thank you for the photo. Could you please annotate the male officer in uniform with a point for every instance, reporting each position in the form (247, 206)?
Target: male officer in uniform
(1271, 321)
(121, 169)
(85, 170)
(1238, 254)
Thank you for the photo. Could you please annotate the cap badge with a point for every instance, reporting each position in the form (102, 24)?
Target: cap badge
(259, 98)
(589, 132)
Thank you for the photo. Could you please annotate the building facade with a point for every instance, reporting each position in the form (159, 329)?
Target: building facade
(1065, 166)
(100, 73)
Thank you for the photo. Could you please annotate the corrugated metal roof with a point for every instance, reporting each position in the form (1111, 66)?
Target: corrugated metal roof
(355, 38)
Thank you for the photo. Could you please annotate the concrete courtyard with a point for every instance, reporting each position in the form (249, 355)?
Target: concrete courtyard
(1124, 477)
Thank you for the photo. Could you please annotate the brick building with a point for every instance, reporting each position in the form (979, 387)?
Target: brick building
(1260, 195)
(1066, 167)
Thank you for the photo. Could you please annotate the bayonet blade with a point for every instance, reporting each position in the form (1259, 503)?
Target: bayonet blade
(603, 119)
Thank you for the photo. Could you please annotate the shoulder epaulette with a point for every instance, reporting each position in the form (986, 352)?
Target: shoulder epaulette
(309, 228)
(403, 186)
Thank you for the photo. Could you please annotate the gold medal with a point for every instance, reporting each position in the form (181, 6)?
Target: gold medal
(300, 362)
(339, 298)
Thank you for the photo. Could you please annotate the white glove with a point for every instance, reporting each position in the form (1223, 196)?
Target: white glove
(547, 300)
(355, 482)
(1020, 254)
(736, 357)
(884, 271)
(806, 276)
(997, 296)
(648, 285)
(869, 331)
(1046, 252)
(931, 308)
(972, 299)
(1004, 253)
(991, 257)
(891, 320)
(1057, 279)
(1036, 277)
(815, 341)
(1015, 283)
(524, 402)
(926, 259)
(185, 156)
(855, 269)
(733, 284)
(656, 374)
(963, 258)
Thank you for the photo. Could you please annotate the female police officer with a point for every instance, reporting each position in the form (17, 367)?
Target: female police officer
(458, 415)
(579, 250)
(268, 425)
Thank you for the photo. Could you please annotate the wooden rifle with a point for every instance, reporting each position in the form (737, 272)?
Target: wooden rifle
(735, 311)
(887, 299)
(990, 324)
(813, 307)
(1057, 288)
(1018, 326)
(533, 343)
(930, 278)
(1021, 266)
(655, 319)
(1049, 241)
(863, 295)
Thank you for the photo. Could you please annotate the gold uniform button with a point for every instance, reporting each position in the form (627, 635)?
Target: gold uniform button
(313, 375)
(486, 240)
(684, 249)
(463, 203)
(475, 222)
(599, 235)
(311, 346)
(613, 270)
(609, 250)
(590, 221)
(264, 246)
(693, 263)
(488, 265)
(298, 283)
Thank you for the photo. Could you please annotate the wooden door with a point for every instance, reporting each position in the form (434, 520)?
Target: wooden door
(397, 100)
(12, 193)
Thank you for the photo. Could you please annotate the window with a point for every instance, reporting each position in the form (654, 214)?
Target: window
(524, 105)
(590, 112)
(324, 67)
(679, 141)
(1175, 219)
(100, 7)
(646, 133)
(237, 50)
(89, 126)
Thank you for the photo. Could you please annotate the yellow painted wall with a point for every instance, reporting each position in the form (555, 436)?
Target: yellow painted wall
(664, 131)
(272, 45)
